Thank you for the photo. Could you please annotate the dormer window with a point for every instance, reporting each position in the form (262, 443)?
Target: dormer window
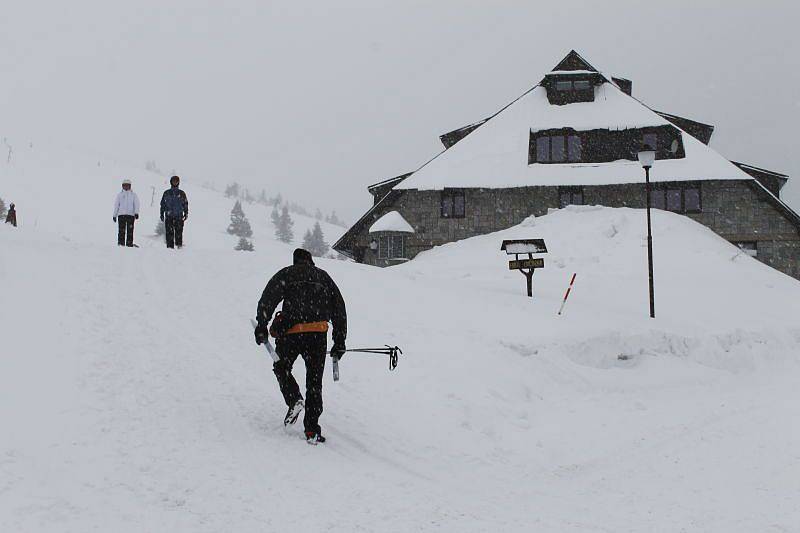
(566, 145)
(571, 87)
(556, 146)
(577, 85)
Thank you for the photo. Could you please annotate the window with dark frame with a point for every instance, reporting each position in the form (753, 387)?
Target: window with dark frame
(453, 204)
(558, 148)
(651, 140)
(574, 148)
(576, 85)
(570, 196)
(391, 247)
(558, 152)
(562, 145)
(676, 198)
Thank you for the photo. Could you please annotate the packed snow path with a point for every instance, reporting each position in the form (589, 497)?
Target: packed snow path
(132, 397)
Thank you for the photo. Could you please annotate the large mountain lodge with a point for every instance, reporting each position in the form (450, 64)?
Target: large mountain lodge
(574, 139)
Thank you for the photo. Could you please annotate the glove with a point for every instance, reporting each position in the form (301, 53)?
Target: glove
(136, 217)
(162, 217)
(115, 219)
(261, 333)
(338, 350)
(185, 217)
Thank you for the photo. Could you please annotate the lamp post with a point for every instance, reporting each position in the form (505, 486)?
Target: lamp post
(647, 156)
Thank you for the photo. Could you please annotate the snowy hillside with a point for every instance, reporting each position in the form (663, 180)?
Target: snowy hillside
(71, 193)
(132, 396)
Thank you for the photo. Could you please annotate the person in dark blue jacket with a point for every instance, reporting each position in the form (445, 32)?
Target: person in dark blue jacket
(174, 212)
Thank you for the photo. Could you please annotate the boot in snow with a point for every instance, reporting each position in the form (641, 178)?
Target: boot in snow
(314, 438)
(293, 413)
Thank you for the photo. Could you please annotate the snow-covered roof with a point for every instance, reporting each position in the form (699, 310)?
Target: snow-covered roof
(391, 221)
(496, 154)
(567, 72)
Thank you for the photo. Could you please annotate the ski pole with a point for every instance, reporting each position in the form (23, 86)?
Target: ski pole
(564, 302)
(392, 351)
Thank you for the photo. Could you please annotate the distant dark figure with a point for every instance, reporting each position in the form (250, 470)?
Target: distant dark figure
(126, 211)
(11, 217)
(174, 212)
(310, 299)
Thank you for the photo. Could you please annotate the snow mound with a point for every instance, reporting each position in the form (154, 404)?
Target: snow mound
(132, 396)
(391, 221)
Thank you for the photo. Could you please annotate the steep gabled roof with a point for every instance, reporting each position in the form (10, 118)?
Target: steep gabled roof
(574, 61)
(495, 155)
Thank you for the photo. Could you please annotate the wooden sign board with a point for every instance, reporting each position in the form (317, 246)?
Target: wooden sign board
(526, 263)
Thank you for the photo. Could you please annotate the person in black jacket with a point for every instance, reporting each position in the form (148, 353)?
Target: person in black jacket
(11, 217)
(310, 300)
(174, 212)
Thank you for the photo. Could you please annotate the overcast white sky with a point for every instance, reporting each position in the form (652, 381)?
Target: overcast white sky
(318, 101)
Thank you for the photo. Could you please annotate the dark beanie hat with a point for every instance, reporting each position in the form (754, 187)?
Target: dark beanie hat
(302, 256)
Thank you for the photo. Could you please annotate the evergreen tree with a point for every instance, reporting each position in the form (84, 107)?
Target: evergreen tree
(244, 245)
(262, 198)
(314, 241)
(283, 229)
(239, 225)
(275, 217)
(333, 219)
(318, 214)
(249, 198)
(232, 190)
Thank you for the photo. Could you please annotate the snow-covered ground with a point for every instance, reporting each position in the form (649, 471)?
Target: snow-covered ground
(70, 194)
(132, 396)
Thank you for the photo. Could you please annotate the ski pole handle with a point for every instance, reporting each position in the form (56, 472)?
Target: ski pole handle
(268, 345)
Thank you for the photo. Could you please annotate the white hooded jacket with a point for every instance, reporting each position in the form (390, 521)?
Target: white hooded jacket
(127, 204)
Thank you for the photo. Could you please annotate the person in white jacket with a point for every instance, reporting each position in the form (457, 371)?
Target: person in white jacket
(126, 211)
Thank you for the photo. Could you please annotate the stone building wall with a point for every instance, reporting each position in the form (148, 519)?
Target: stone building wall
(736, 210)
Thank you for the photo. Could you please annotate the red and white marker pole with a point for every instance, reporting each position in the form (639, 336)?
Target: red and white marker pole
(567, 294)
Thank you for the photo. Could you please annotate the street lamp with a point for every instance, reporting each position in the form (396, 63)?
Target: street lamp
(647, 155)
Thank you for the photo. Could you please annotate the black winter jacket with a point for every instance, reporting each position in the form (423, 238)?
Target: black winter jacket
(174, 203)
(309, 295)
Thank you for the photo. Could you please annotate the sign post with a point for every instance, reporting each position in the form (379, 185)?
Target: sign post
(525, 266)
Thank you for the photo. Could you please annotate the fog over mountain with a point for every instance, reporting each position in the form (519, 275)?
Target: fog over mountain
(316, 100)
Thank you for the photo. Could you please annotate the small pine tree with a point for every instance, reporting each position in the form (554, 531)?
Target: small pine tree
(314, 241)
(335, 220)
(262, 198)
(244, 245)
(3, 210)
(318, 214)
(232, 190)
(283, 229)
(275, 217)
(239, 225)
(249, 198)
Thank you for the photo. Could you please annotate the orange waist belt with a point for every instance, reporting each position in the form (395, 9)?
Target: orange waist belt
(309, 327)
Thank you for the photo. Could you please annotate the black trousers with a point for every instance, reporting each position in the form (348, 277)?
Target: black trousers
(173, 227)
(312, 347)
(125, 235)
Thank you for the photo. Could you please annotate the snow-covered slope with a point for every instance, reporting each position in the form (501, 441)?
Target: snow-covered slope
(132, 397)
(71, 194)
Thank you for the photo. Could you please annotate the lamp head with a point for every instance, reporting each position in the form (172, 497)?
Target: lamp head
(647, 156)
